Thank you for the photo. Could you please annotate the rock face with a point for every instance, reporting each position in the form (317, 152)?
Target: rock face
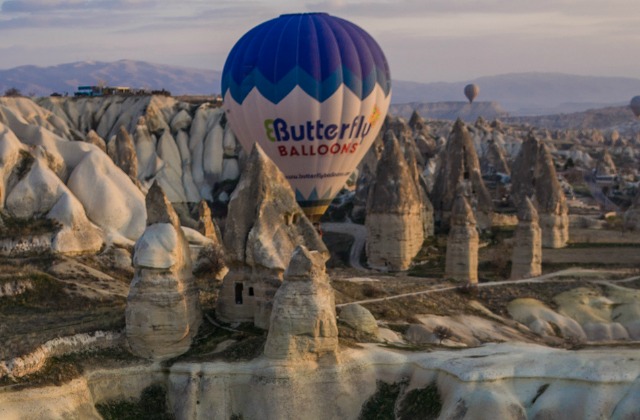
(460, 165)
(526, 259)
(583, 314)
(394, 213)
(124, 154)
(533, 172)
(605, 165)
(163, 313)
(263, 228)
(426, 208)
(205, 223)
(492, 159)
(78, 235)
(462, 244)
(303, 320)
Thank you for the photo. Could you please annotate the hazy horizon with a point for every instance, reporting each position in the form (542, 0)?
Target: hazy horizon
(435, 41)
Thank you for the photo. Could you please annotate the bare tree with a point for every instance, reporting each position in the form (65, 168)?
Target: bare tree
(12, 92)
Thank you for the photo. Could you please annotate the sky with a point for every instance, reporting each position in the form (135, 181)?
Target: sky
(423, 40)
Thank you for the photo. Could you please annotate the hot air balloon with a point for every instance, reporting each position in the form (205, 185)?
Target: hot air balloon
(313, 91)
(471, 91)
(635, 105)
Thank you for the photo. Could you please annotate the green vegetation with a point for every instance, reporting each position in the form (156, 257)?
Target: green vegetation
(578, 245)
(421, 404)
(60, 370)
(152, 405)
(248, 342)
(47, 292)
(13, 227)
(381, 405)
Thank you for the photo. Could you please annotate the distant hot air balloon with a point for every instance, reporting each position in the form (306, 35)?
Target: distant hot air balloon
(313, 91)
(471, 91)
(635, 105)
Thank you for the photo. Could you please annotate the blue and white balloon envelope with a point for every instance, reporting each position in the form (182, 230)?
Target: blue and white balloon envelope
(313, 91)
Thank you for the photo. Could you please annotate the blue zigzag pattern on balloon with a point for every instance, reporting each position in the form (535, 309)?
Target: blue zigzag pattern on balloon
(313, 196)
(319, 90)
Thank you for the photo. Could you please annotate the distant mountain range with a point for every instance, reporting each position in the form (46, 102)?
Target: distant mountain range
(450, 110)
(517, 93)
(65, 78)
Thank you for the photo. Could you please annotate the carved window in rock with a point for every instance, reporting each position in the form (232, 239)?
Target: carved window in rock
(251, 291)
(239, 287)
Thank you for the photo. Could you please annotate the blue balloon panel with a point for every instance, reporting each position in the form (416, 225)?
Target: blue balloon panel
(315, 51)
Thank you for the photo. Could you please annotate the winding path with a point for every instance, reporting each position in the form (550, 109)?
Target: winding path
(359, 233)
(541, 279)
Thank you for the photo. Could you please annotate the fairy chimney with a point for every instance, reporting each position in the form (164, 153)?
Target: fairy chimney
(394, 213)
(462, 243)
(526, 258)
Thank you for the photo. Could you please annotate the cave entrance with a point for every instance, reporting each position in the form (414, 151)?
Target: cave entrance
(239, 288)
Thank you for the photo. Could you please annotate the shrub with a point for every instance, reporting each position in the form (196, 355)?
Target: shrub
(210, 261)
(13, 92)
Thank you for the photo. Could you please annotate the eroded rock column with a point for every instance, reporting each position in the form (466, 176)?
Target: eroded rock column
(526, 258)
(394, 221)
(462, 244)
(303, 320)
(163, 313)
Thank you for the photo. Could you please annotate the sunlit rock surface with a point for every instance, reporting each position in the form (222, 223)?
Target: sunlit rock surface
(162, 313)
(303, 319)
(263, 227)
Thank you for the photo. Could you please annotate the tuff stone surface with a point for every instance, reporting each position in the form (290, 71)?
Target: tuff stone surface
(533, 173)
(303, 319)
(162, 313)
(459, 164)
(395, 218)
(462, 243)
(526, 257)
(263, 227)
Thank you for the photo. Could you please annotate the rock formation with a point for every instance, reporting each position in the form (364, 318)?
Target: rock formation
(462, 244)
(162, 313)
(394, 213)
(366, 174)
(96, 140)
(426, 208)
(605, 165)
(77, 235)
(205, 223)
(359, 318)
(35, 193)
(526, 258)
(632, 215)
(460, 165)
(263, 227)
(303, 320)
(492, 160)
(124, 154)
(534, 173)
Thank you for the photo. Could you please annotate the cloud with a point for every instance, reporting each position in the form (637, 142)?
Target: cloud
(39, 6)
(407, 8)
